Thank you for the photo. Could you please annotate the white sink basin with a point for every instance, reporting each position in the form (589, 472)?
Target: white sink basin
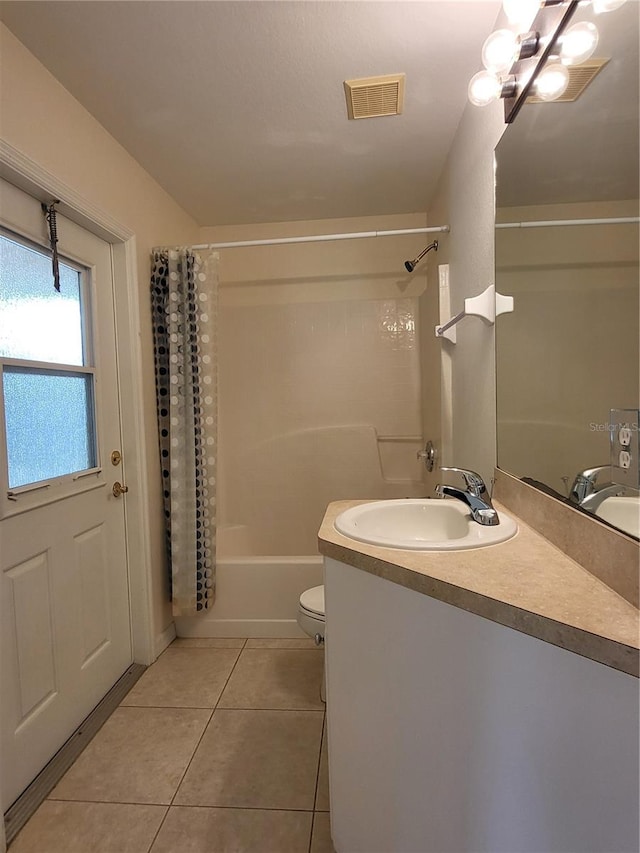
(623, 512)
(421, 525)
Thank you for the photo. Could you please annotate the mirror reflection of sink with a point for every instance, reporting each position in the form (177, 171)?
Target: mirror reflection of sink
(623, 512)
(421, 525)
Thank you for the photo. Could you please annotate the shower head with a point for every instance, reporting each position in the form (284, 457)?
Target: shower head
(411, 265)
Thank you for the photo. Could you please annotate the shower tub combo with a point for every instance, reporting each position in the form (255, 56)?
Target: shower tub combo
(268, 560)
(256, 596)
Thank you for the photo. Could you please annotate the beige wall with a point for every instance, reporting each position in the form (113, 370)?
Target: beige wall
(43, 121)
(319, 378)
(465, 200)
(569, 352)
(40, 118)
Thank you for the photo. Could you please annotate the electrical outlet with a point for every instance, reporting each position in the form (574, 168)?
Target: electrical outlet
(624, 437)
(624, 431)
(624, 459)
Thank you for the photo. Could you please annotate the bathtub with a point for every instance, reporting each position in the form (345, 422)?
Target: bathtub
(266, 508)
(255, 596)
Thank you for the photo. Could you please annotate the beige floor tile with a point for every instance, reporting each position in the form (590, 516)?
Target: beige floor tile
(275, 678)
(321, 836)
(59, 827)
(255, 759)
(184, 678)
(322, 793)
(198, 830)
(208, 643)
(268, 643)
(138, 756)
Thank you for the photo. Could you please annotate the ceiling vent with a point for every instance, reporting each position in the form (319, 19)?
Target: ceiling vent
(371, 97)
(580, 76)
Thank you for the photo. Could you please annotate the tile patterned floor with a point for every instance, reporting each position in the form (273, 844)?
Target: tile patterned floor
(220, 747)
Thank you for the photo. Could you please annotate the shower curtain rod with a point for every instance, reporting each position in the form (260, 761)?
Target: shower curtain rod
(549, 223)
(321, 238)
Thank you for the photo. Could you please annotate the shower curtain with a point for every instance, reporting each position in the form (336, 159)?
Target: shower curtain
(184, 287)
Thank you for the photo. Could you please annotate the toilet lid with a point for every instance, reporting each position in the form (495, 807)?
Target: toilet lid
(313, 600)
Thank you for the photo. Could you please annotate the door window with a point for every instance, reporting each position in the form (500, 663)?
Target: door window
(47, 369)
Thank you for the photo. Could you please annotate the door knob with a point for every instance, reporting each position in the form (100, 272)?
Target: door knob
(118, 489)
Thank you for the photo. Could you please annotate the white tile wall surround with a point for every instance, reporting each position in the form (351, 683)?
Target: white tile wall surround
(306, 388)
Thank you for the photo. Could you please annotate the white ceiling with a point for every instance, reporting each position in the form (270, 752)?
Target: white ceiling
(237, 108)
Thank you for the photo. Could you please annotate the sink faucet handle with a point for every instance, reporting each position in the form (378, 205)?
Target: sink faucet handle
(584, 483)
(474, 482)
(593, 473)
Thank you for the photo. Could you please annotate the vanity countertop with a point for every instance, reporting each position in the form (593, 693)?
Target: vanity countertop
(525, 583)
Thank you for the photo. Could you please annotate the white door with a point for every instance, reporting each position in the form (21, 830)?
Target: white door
(64, 596)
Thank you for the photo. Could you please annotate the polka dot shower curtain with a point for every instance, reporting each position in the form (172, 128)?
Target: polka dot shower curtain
(184, 287)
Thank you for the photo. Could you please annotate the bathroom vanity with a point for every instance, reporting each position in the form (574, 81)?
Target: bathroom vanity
(486, 701)
(481, 700)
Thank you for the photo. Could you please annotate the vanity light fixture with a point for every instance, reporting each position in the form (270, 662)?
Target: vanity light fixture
(529, 59)
(520, 13)
(552, 82)
(578, 43)
(485, 87)
(600, 6)
(512, 60)
(504, 47)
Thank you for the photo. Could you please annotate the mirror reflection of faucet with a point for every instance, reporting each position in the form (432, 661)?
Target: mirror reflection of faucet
(587, 493)
(475, 496)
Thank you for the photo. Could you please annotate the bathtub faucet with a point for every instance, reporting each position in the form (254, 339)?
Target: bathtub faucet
(475, 496)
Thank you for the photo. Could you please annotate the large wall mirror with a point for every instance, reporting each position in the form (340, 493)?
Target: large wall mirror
(570, 351)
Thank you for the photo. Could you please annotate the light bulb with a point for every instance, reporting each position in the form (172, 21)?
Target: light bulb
(600, 6)
(552, 82)
(500, 50)
(578, 43)
(521, 13)
(484, 87)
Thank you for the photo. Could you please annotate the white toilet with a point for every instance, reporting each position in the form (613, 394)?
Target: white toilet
(311, 613)
(311, 620)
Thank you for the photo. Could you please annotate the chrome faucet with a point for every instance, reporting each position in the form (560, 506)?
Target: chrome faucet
(593, 501)
(587, 494)
(585, 483)
(475, 497)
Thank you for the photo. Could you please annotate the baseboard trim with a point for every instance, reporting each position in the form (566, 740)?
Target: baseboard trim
(252, 628)
(164, 639)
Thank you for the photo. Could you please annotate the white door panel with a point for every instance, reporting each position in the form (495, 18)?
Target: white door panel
(64, 585)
